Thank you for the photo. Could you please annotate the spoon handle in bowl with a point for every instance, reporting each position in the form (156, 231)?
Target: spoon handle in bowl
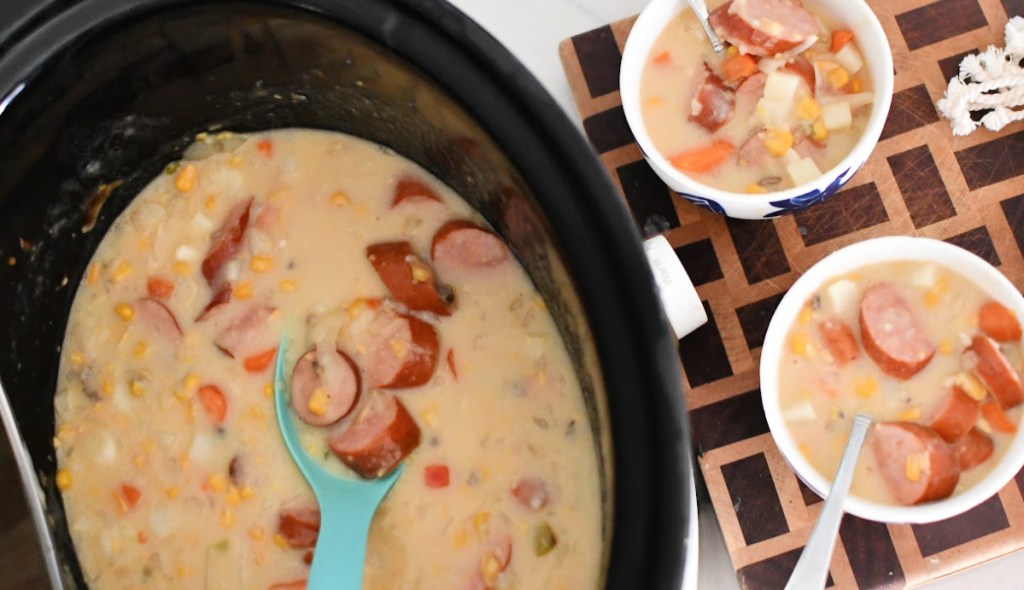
(701, 10)
(811, 570)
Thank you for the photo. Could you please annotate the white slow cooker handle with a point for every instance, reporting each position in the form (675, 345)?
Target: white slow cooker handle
(678, 296)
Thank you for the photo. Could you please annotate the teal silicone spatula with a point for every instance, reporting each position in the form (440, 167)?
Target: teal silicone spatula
(346, 505)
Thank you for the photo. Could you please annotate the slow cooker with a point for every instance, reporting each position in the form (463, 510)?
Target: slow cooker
(97, 96)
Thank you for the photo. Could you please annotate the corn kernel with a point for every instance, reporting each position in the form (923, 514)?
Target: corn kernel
(916, 464)
(218, 482)
(243, 290)
(64, 479)
(124, 311)
(655, 101)
(261, 263)
(399, 346)
(755, 189)
(227, 518)
(777, 141)
(186, 178)
(246, 492)
(490, 568)
(191, 381)
(120, 271)
(808, 109)
(430, 416)
(107, 388)
(865, 387)
(818, 131)
(76, 359)
(931, 299)
(804, 449)
(838, 77)
(210, 204)
(799, 344)
(234, 496)
(181, 268)
(139, 460)
(732, 50)
(481, 524)
(140, 350)
(93, 274)
(256, 533)
(806, 314)
(339, 199)
(235, 161)
(137, 388)
(318, 402)
(946, 346)
(909, 415)
(287, 286)
(971, 386)
(420, 273)
(461, 538)
(172, 492)
(280, 541)
(268, 390)
(856, 85)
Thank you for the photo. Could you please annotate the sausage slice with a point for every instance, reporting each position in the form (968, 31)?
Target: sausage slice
(973, 449)
(377, 440)
(838, 338)
(300, 527)
(465, 244)
(891, 334)
(413, 189)
(243, 329)
(713, 102)
(226, 242)
(990, 366)
(998, 322)
(158, 317)
(955, 414)
(324, 390)
(915, 462)
(401, 350)
(410, 280)
(764, 27)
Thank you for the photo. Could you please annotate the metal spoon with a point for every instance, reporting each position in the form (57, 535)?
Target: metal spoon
(347, 506)
(701, 10)
(811, 570)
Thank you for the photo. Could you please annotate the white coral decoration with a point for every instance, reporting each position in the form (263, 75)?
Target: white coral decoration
(990, 86)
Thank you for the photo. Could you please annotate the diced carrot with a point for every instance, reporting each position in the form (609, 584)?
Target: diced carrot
(258, 362)
(998, 322)
(214, 402)
(703, 159)
(840, 38)
(738, 67)
(142, 537)
(436, 476)
(997, 418)
(296, 585)
(131, 494)
(663, 59)
(159, 288)
(451, 363)
(265, 147)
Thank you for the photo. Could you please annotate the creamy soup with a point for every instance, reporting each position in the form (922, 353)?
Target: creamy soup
(928, 356)
(786, 101)
(410, 327)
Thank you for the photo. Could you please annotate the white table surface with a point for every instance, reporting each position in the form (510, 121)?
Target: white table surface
(532, 30)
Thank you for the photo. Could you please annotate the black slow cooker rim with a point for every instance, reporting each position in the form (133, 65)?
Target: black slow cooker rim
(613, 256)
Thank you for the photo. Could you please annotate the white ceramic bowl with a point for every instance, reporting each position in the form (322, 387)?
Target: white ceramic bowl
(853, 14)
(844, 261)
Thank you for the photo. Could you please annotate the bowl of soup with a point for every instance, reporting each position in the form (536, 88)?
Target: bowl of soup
(924, 338)
(187, 183)
(780, 120)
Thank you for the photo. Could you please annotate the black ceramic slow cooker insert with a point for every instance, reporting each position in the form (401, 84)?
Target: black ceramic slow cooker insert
(97, 96)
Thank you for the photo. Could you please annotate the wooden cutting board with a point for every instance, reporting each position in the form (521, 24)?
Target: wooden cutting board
(920, 181)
